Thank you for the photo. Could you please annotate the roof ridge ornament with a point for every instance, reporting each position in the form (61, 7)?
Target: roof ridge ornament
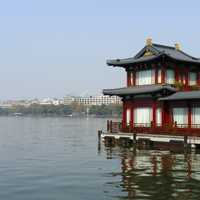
(177, 46)
(149, 41)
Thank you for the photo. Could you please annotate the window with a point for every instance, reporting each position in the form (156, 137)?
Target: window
(143, 116)
(145, 77)
(192, 78)
(196, 117)
(159, 76)
(128, 117)
(170, 76)
(158, 117)
(180, 116)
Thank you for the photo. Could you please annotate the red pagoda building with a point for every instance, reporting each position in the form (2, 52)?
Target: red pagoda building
(162, 95)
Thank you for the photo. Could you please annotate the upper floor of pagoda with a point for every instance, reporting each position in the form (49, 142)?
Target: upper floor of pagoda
(161, 64)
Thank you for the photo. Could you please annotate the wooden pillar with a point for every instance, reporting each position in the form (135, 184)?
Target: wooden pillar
(186, 78)
(108, 125)
(132, 114)
(166, 113)
(198, 78)
(134, 78)
(124, 115)
(163, 112)
(156, 75)
(111, 126)
(185, 141)
(128, 78)
(99, 135)
(163, 74)
(134, 138)
(154, 113)
(99, 141)
(177, 74)
(189, 115)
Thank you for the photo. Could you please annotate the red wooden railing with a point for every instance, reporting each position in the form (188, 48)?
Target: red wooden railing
(150, 128)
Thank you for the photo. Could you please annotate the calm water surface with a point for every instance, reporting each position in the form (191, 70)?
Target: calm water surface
(59, 159)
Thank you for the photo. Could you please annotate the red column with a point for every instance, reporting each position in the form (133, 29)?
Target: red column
(163, 72)
(128, 78)
(154, 112)
(162, 113)
(166, 113)
(124, 115)
(156, 76)
(186, 78)
(132, 113)
(134, 78)
(189, 115)
(177, 74)
(198, 78)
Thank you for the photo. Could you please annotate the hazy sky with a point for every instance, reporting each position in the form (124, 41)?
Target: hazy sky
(50, 48)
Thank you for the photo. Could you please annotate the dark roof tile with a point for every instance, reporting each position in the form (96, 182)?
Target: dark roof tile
(158, 51)
(144, 89)
(182, 96)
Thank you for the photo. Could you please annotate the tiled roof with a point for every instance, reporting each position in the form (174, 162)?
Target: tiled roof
(145, 89)
(158, 51)
(182, 96)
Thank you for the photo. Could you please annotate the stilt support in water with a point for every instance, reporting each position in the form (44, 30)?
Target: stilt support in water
(99, 140)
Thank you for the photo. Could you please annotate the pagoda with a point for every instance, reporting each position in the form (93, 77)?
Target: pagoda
(162, 94)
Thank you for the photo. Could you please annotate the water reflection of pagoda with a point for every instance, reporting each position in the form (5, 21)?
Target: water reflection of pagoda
(157, 175)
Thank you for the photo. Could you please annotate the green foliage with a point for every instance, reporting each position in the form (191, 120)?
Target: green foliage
(36, 109)
(194, 87)
(106, 110)
(179, 85)
(62, 110)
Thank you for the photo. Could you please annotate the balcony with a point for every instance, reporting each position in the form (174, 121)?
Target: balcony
(173, 129)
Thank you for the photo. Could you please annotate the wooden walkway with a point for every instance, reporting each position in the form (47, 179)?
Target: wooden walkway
(151, 137)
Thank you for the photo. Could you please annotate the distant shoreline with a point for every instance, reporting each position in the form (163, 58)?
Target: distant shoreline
(62, 116)
(74, 110)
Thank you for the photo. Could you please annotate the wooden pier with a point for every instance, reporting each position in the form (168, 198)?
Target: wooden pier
(148, 139)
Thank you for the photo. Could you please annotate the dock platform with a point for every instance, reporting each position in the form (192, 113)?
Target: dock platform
(188, 140)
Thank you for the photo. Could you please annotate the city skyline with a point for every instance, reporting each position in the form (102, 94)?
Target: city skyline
(51, 47)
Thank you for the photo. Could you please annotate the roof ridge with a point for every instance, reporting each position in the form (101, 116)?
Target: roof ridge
(162, 45)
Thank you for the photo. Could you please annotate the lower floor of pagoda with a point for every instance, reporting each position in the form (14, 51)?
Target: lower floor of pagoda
(144, 114)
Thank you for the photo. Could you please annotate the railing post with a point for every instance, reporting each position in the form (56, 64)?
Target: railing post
(185, 141)
(151, 124)
(99, 140)
(108, 126)
(134, 138)
(99, 135)
(111, 126)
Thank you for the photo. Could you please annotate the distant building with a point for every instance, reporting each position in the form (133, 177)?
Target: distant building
(27, 103)
(49, 101)
(68, 100)
(92, 100)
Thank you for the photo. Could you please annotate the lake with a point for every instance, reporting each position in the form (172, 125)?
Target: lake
(59, 159)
